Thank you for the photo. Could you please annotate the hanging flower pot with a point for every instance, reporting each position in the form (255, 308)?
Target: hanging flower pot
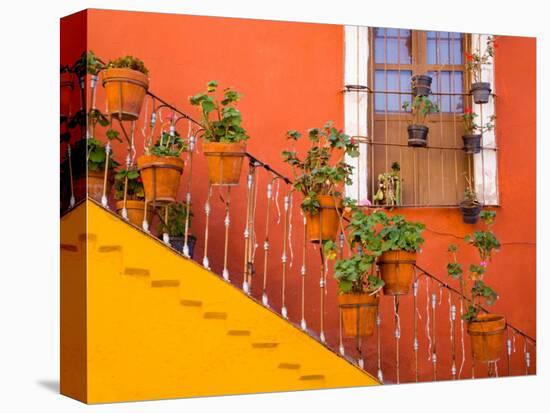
(481, 91)
(126, 83)
(224, 138)
(419, 108)
(472, 143)
(487, 337)
(161, 177)
(470, 211)
(67, 86)
(421, 85)
(325, 223)
(225, 161)
(418, 135)
(135, 211)
(358, 313)
(397, 271)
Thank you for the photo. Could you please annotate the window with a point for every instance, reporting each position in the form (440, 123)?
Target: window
(379, 65)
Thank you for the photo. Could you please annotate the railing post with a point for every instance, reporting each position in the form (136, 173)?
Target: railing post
(303, 272)
(269, 194)
(284, 257)
(205, 261)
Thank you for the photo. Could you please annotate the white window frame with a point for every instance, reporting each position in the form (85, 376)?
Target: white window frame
(356, 111)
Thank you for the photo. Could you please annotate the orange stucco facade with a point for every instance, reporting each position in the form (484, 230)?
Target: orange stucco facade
(291, 76)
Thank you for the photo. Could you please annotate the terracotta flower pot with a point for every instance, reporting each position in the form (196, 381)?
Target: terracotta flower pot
(135, 211)
(397, 271)
(225, 161)
(125, 90)
(326, 223)
(358, 314)
(65, 93)
(487, 337)
(95, 184)
(161, 177)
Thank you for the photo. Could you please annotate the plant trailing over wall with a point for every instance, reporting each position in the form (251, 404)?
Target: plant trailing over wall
(128, 62)
(323, 170)
(389, 187)
(134, 188)
(220, 119)
(486, 243)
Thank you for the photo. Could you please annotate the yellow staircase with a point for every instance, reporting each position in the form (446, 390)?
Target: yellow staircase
(160, 326)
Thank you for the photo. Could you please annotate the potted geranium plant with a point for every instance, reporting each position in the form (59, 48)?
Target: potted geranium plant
(470, 207)
(400, 241)
(420, 107)
(421, 85)
(475, 62)
(161, 167)
(175, 227)
(473, 131)
(486, 330)
(224, 137)
(320, 177)
(130, 196)
(125, 81)
(358, 284)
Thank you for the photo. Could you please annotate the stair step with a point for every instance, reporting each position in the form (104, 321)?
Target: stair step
(165, 283)
(265, 345)
(110, 248)
(191, 303)
(138, 272)
(313, 377)
(289, 366)
(87, 237)
(69, 247)
(238, 333)
(215, 315)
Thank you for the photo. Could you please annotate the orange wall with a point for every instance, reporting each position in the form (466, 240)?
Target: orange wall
(291, 75)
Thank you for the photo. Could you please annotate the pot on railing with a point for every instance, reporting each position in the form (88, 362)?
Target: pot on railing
(418, 135)
(470, 211)
(481, 91)
(472, 143)
(135, 211)
(178, 243)
(397, 271)
(125, 91)
(421, 85)
(324, 225)
(487, 337)
(161, 177)
(358, 312)
(224, 161)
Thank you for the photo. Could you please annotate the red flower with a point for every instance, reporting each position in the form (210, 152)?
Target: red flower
(467, 110)
(352, 141)
(469, 57)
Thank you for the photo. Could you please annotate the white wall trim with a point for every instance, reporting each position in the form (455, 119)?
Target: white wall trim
(356, 104)
(486, 162)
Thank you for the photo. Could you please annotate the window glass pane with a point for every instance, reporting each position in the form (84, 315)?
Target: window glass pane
(443, 48)
(392, 46)
(391, 81)
(448, 82)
